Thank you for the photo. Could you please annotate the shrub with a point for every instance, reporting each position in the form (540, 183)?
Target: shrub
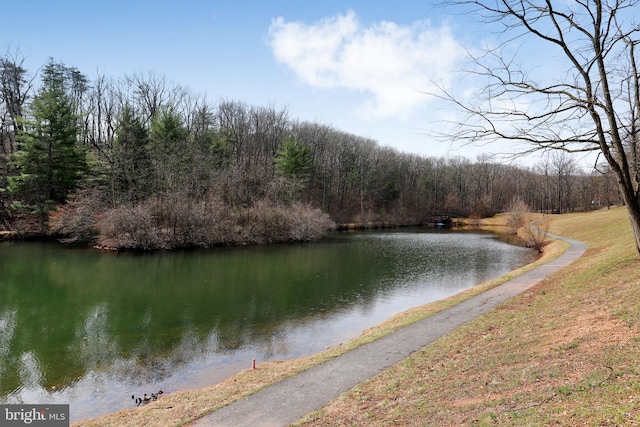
(266, 222)
(517, 215)
(130, 227)
(75, 221)
(534, 234)
(175, 222)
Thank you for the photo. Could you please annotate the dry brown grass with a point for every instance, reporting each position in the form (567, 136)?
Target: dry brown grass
(524, 356)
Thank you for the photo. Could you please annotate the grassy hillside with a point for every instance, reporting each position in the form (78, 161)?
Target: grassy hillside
(565, 353)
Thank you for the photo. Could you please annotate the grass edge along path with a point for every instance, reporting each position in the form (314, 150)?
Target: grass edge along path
(184, 407)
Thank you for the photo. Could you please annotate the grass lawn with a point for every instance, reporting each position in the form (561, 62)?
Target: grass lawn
(564, 353)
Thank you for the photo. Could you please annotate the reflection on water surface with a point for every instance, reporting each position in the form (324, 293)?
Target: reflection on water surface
(91, 328)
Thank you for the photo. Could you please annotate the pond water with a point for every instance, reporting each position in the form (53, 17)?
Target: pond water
(91, 328)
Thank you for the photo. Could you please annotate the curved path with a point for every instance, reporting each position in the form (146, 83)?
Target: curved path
(287, 401)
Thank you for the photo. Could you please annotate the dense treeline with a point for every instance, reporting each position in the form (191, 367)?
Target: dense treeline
(138, 162)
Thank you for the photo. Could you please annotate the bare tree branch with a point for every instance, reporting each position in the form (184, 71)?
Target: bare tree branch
(593, 106)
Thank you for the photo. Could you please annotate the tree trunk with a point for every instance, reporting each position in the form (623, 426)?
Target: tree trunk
(634, 217)
(633, 210)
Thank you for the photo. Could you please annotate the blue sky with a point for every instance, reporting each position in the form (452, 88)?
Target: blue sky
(359, 66)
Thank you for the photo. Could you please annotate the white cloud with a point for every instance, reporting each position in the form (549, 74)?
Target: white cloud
(394, 64)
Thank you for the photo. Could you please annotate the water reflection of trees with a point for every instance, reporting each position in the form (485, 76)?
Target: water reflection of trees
(141, 318)
(7, 331)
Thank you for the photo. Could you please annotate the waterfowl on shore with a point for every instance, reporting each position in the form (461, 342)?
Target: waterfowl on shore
(146, 399)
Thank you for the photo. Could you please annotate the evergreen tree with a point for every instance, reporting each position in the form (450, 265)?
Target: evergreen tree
(293, 163)
(50, 161)
(132, 166)
(293, 160)
(169, 142)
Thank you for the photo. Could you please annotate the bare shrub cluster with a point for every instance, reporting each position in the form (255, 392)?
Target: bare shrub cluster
(130, 227)
(534, 234)
(76, 220)
(179, 222)
(517, 214)
(520, 222)
(266, 222)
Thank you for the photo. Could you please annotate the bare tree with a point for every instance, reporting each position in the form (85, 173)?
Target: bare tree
(100, 117)
(517, 214)
(150, 93)
(564, 170)
(591, 101)
(15, 88)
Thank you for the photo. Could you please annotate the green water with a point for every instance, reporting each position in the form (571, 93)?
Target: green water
(91, 328)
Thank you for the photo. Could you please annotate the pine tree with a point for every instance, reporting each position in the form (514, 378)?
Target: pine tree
(132, 166)
(293, 160)
(50, 161)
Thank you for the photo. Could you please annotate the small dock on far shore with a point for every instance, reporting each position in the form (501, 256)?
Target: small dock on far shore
(442, 220)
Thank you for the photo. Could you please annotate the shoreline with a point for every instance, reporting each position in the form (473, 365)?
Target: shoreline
(300, 396)
(268, 373)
